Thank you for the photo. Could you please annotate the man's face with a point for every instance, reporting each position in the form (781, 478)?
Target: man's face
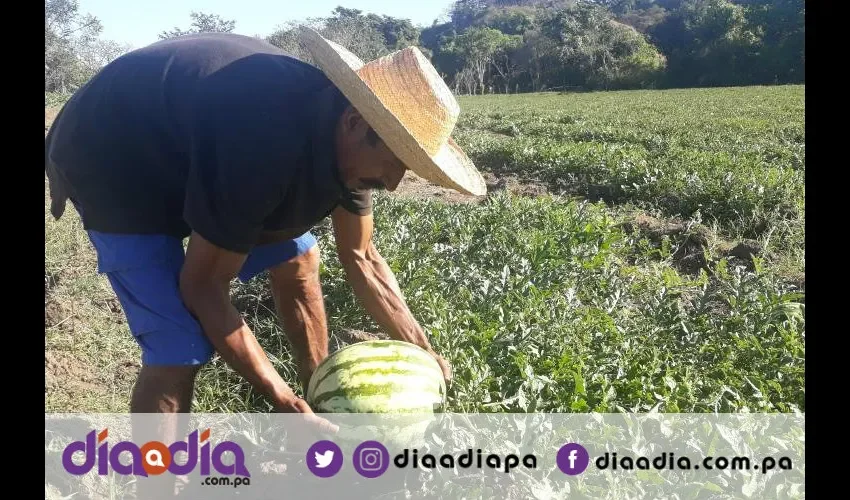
(364, 160)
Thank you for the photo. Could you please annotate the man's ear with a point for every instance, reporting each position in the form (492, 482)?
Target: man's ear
(351, 119)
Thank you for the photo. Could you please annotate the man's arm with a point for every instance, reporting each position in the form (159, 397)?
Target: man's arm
(374, 282)
(205, 288)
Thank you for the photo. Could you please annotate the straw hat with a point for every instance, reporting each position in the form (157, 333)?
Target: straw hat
(407, 104)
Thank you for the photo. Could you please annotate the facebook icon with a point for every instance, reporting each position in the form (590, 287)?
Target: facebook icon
(572, 459)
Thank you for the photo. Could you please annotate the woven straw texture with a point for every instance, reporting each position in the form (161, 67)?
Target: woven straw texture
(407, 103)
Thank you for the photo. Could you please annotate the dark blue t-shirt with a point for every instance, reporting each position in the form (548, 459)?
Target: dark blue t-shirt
(222, 134)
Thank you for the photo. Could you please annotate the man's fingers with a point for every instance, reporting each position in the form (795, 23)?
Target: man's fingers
(446, 367)
(323, 424)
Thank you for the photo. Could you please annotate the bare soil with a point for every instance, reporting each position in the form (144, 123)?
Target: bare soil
(350, 336)
(692, 243)
(55, 313)
(413, 186)
(49, 116)
(65, 373)
(514, 185)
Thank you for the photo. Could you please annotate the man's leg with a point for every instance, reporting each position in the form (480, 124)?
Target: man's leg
(298, 299)
(144, 273)
(161, 401)
(294, 273)
(164, 389)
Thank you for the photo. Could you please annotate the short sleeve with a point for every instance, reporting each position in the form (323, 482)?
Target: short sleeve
(241, 159)
(358, 202)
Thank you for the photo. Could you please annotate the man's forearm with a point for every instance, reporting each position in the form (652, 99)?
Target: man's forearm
(375, 284)
(233, 339)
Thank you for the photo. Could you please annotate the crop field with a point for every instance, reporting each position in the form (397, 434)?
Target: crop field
(637, 250)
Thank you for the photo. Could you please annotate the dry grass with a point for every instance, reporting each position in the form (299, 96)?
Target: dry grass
(90, 359)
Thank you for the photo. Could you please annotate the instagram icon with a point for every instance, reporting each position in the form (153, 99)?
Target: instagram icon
(371, 459)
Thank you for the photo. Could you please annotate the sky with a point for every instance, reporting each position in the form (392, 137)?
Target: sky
(139, 23)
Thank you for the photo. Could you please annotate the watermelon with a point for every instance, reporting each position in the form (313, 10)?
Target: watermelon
(378, 376)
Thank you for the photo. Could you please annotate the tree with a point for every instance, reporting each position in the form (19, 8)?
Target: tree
(65, 29)
(286, 38)
(202, 23)
(538, 60)
(639, 64)
(782, 47)
(510, 20)
(644, 19)
(366, 36)
(436, 40)
(397, 33)
(709, 42)
(534, 45)
(73, 51)
(94, 56)
(464, 12)
(478, 47)
(598, 52)
(356, 32)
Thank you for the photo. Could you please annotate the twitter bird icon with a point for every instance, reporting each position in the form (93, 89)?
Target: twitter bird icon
(324, 459)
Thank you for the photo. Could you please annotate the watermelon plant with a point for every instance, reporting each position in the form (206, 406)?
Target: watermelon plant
(548, 304)
(664, 270)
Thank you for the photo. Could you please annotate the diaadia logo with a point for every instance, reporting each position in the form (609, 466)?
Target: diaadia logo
(154, 457)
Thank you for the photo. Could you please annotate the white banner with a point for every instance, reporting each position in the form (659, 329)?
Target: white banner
(504, 455)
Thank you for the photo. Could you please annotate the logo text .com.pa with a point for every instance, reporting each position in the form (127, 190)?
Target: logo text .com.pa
(153, 457)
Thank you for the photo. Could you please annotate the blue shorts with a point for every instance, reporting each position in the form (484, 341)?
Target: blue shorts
(144, 271)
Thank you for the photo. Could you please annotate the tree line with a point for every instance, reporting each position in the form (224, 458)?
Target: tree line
(513, 46)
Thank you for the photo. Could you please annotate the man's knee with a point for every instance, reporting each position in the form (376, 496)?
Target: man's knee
(302, 268)
(281, 255)
(309, 261)
(176, 375)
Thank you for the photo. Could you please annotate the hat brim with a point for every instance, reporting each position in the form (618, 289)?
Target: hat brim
(450, 167)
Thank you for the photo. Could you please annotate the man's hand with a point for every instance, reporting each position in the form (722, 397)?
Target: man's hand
(444, 365)
(298, 405)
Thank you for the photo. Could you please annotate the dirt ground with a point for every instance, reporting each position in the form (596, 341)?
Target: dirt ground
(49, 116)
(64, 372)
(416, 187)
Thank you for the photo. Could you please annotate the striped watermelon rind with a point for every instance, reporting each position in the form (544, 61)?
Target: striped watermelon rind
(378, 376)
(393, 433)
